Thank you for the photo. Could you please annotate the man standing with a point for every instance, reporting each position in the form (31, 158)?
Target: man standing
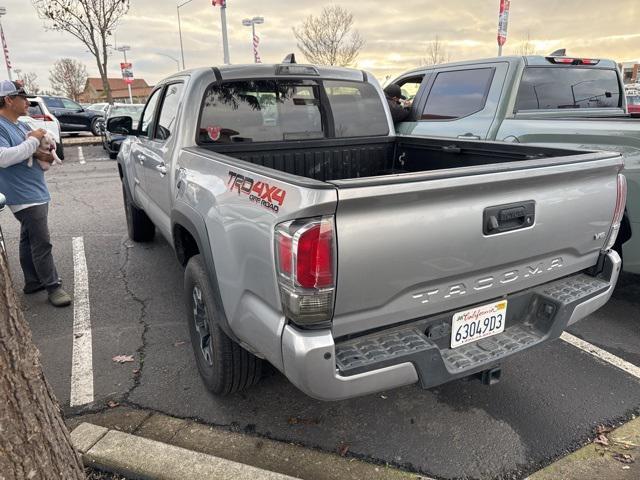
(27, 194)
(399, 112)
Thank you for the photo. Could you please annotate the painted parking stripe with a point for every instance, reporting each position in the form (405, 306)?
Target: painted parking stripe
(81, 156)
(602, 354)
(82, 359)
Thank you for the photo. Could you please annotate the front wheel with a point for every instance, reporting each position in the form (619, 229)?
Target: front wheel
(225, 367)
(60, 150)
(139, 226)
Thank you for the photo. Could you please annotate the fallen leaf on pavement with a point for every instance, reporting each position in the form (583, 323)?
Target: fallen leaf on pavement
(623, 457)
(135, 371)
(303, 421)
(177, 344)
(601, 429)
(123, 358)
(601, 439)
(343, 448)
(626, 467)
(112, 404)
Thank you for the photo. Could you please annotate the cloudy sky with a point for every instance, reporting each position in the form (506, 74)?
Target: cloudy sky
(397, 33)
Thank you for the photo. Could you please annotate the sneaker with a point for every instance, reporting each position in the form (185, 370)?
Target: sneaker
(30, 288)
(59, 298)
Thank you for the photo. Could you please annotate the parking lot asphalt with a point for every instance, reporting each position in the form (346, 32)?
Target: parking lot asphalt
(548, 403)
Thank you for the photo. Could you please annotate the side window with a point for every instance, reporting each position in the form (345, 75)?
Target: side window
(458, 94)
(35, 111)
(54, 103)
(149, 113)
(68, 104)
(410, 86)
(169, 111)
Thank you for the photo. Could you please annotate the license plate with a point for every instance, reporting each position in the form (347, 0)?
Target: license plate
(477, 323)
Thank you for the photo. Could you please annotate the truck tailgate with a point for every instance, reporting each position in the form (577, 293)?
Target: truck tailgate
(414, 245)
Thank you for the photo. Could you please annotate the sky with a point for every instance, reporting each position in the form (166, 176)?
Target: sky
(397, 33)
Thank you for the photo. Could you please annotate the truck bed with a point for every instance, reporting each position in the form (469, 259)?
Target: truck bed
(331, 160)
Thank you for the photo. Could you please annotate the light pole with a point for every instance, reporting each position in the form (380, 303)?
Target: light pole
(172, 58)
(124, 49)
(180, 30)
(252, 22)
(3, 11)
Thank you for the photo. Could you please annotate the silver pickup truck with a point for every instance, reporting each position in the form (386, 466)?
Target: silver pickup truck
(554, 101)
(353, 260)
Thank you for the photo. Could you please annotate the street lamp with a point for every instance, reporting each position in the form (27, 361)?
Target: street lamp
(172, 58)
(124, 49)
(180, 31)
(3, 11)
(252, 22)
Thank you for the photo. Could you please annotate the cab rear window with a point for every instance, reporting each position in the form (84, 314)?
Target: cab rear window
(284, 110)
(552, 88)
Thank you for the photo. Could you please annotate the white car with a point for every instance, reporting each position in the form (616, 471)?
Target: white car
(40, 117)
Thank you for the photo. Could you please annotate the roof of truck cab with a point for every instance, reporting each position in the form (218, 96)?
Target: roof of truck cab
(260, 70)
(533, 60)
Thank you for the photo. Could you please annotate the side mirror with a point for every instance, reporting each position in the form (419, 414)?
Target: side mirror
(3, 202)
(121, 125)
(80, 110)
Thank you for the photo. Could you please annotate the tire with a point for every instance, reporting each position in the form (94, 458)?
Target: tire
(113, 155)
(96, 129)
(225, 367)
(139, 226)
(60, 150)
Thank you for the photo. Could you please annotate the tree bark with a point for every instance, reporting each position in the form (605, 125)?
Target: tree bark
(34, 441)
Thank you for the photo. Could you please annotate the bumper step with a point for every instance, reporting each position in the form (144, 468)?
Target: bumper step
(412, 344)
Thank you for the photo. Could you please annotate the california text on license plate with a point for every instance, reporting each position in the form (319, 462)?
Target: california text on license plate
(477, 323)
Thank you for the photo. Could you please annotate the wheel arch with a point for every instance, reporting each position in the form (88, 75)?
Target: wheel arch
(190, 237)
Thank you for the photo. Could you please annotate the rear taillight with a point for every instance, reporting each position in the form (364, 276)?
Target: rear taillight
(45, 118)
(305, 260)
(618, 212)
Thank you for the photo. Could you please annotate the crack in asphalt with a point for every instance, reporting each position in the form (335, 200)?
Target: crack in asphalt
(140, 351)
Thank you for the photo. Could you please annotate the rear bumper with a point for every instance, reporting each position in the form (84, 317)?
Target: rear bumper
(420, 351)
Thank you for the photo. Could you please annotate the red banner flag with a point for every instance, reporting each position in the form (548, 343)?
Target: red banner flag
(219, 3)
(503, 21)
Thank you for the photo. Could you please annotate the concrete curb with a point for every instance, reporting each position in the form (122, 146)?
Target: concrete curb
(604, 461)
(141, 458)
(264, 454)
(81, 141)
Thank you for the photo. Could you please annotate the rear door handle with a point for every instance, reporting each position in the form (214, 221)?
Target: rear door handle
(162, 169)
(469, 136)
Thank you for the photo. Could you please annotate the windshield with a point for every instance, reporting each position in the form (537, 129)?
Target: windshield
(544, 88)
(130, 110)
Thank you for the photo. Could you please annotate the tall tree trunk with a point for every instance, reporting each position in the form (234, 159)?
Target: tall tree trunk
(34, 442)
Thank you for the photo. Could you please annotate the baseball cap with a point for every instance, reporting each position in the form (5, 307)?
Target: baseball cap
(393, 90)
(10, 89)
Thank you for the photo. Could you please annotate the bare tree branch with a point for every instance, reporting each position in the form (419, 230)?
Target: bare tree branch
(90, 21)
(68, 77)
(28, 81)
(526, 46)
(328, 39)
(436, 53)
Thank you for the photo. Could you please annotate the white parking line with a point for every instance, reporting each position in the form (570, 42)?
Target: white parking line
(602, 354)
(82, 359)
(81, 156)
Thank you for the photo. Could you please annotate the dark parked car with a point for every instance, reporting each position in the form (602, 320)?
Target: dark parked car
(72, 116)
(111, 141)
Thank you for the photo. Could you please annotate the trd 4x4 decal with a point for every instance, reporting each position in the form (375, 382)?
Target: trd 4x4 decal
(261, 193)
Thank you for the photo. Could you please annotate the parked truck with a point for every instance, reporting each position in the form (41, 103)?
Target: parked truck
(554, 100)
(351, 259)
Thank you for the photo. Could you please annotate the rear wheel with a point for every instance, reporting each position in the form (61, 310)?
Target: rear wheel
(96, 126)
(225, 367)
(139, 226)
(113, 155)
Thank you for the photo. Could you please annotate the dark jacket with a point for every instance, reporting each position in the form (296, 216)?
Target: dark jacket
(398, 112)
